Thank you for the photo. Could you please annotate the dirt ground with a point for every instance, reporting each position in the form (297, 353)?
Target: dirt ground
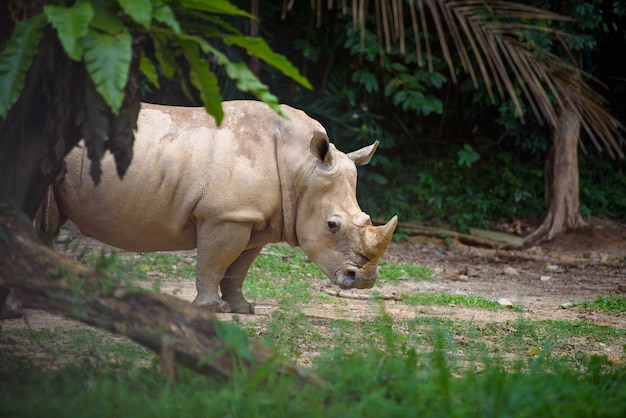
(545, 280)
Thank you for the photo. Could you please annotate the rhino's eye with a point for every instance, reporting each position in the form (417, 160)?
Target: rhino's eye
(333, 226)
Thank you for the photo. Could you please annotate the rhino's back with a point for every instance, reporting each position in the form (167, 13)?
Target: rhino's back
(184, 170)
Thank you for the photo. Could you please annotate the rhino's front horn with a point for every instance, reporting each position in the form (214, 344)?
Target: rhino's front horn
(377, 238)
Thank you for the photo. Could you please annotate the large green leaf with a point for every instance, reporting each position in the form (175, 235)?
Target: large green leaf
(163, 13)
(204, 80)
(259, 48)
(164, 55)
(139, 10)
(16, 58)
(104, 20)
(247, 81)
(107, 58)
(147, 68)
(224, 7)
(71, 24)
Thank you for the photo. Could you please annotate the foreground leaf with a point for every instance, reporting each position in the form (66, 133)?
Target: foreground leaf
(139, 10)
(216, 6)
(107, 58)
(71, 24)
(204, 80)
(258, 47)
(164, 14)
(164, 55)
(247, 81)
(16, 58)
(147, 68)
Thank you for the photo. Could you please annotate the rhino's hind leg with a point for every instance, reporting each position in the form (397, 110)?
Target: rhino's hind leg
(219, 246)
(232, 282)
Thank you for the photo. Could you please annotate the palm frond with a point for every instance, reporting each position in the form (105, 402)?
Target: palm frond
(491, 40)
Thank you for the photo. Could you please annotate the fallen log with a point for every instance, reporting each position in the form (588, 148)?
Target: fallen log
(475, 238)
(174, 328)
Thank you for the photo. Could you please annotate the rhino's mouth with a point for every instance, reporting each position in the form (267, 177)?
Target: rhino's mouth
(351, 277)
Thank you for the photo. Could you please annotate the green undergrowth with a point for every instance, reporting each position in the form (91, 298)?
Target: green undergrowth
(613, 304)
(442, 298)
(374, 362)
(295, 335)
(397, 380)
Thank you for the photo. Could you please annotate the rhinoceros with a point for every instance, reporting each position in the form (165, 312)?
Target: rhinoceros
(258, 178)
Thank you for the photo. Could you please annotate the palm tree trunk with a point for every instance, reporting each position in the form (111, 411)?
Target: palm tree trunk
(561, 172)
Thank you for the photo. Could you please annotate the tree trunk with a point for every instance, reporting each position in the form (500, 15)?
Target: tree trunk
(561, 173)
(165, 324)
(40, 128)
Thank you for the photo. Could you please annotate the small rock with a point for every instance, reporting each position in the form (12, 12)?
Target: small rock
(505, 302)
(552, 267)
(511, 271)
(545, 278)
(567, 305)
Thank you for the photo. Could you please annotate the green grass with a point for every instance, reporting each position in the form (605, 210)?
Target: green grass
(608, 304)
(142, 266)
(374, 364)
(281, 273)
(75, 344)
(398, 381)
(442, 298)
(393, 273)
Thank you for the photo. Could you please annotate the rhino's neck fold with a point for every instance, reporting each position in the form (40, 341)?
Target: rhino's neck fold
(288, 200)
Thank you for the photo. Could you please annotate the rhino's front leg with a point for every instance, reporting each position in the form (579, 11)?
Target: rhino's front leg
(232, 282)
(218, 247)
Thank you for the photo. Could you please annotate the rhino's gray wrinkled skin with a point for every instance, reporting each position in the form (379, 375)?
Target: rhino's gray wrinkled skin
(227, 191)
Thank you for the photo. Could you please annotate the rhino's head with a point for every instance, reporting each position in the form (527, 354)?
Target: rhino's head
(332, 229)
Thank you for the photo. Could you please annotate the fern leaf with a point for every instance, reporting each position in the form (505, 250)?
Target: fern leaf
(16, 58)
(216, 6)
(164, 14)
(138, 10)
(204, 80)
(71, 24)
(107, 58)
(258, 47)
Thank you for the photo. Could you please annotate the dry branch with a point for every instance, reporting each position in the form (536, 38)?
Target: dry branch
(414, 229)
(163, 323)
(361, 296)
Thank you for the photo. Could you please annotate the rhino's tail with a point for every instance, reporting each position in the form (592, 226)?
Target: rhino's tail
(49, 218)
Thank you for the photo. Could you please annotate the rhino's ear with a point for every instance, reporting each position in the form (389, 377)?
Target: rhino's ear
(320, 147)
(363, 155)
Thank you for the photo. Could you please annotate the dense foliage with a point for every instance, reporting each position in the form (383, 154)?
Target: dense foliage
(448, 154)
(363, 384)
(100, 35)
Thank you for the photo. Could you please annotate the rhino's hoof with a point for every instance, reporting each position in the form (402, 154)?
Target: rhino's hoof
(243, 308)
(213, 306)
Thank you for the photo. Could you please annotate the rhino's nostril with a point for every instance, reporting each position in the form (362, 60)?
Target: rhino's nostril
(350, 278)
